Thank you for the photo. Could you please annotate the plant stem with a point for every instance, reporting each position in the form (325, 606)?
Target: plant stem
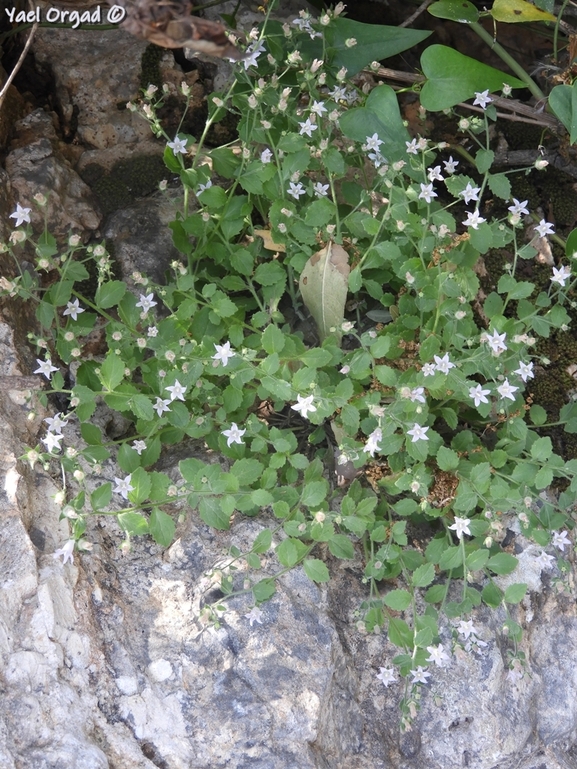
(513, 65)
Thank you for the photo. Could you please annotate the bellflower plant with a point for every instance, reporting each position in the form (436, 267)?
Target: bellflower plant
(325, 207)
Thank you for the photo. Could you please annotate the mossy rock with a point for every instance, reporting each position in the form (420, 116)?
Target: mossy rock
(128, 180)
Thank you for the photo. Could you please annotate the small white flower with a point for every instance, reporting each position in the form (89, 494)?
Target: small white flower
(478, 394)
(307, 127)
(45, 367)
(52, 441)
(519, 209)
(427, 193)
(234, 435)
(318, 108)
(434, 174)
(450, 165)
(473, 220)
(373, 142)
(470, 193)
(482, 98)
(338, 93)
(56, 423)
(66, 552)
(344, 370)
(139, 446)
(545, 561)
(255, 615)
(373, 441)
(176, 391)
(21, 215)
(544, 228)
(146, 302)
(417, 394)
(178, 146)
(387, 676)
(506, 390)
(203, 187)
(161, 406)
(438, 655)
(73, 309)
(321, 190)
(418, 433)
(561, 276)
(497, 342)
(428, 369)
(461, 526)
(223, 353)
(296, 190)
(420, 675)
(266, 156)
(467, 628)
(412, 147)
(443, 364)
(123, 486)
(304, 405)
(560, 540)
(525, 371)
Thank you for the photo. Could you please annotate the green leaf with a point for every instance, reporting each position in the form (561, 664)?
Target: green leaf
(319, 213)
(453, 77)
(537, 414)
(500, 186)
(466, 498)
(517, 11)
(515, 593)
(290, 552)
(127, 458)
(247, 470)
(484, 160)
(455, 10)
(140, 481)
(477, 559)
(212, 513)
(111, 371)
(101, 497)
(162, 527)
(134, 524)
(262, 541)
(451, 558)
(374, 42)
(109, 294)
(563, 102)
(541, 449)
(398, 600)
(341, 547)
(543, 478)
(273, 339)
(492, 595)
(436, 594)
(314, 493)
(400, 634)
(447, 459)
(502, 563)
(316, 570)
(323, 285)
(423, 575)
(263, 590)
(91, 434)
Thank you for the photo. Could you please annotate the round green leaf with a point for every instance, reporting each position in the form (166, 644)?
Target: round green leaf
(455, 10)
(316, 570)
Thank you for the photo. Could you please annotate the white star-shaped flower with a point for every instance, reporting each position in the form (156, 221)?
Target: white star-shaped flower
(545, 561)
(428, 369)
(307, 127)
(478, 394)
(434, 174)
(21, 215)
(233, 435)
(146, 303)
(562, 275)
(73, 309)
(176, 391)
(506, 390)
(56, 423)
(482, 98)
(473, 220)
(318, 108)
(255, 615)
(470, 193)
(223, 353)
(461, 526)
(52, 441)
(412, 147)
(321, 190)
(139, 446)
(161, 406)
(418, 394)
(373, 441)
(450, 165)
(443, 364)
(45, 367)
(497, 342)
(560, 540)
(418, 433)
(387, 676)
(544, 228)
(373, 142)
(420, 675)
(266, 156)
(203, 187)
(296, 190)
(304, 405)
(467, 628)
(66, 552)
(427, 193)
(438, 655)
(525, 371)
(123, 486)
(518, 209)
(178, 145)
